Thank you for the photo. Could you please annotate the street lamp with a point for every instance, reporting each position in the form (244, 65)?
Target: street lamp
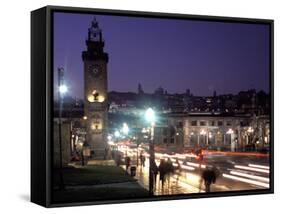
(62, 90)
(150, 118)
(150, 115)
(125, 129)
(230, 131)
(117, 134)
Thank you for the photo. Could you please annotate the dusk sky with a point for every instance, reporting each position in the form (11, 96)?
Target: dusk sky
(175, 54)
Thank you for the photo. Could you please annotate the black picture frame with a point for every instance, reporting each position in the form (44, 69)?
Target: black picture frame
(42, 101)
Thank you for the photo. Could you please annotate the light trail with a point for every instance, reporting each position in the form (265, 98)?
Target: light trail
(246, 180)
(252, 169)
(259, 166)
(207, 152)
(196, 165)
(187, 167)
(250, 176)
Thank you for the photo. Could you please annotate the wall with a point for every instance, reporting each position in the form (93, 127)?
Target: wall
(15, 105)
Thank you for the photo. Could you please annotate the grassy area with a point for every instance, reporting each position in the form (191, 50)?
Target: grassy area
(104, 183)
(92, 175)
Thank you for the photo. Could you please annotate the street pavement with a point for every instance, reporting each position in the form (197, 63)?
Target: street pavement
(237, 172)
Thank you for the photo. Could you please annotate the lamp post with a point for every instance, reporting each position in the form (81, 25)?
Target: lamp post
(150, 117)
(62, 89)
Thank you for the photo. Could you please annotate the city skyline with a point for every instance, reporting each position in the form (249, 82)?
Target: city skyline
(190, 54)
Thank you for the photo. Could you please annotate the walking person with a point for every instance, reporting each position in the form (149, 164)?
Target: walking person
(162, 173)
(127, 162)
(208, 177)
(155, 173)
(142, 160)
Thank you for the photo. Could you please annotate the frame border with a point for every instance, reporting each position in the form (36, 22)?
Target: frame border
(49, 98)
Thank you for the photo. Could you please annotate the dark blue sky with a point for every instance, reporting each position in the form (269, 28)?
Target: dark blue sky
(175, 54)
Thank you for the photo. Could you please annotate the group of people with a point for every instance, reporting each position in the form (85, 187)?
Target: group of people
(167, 168)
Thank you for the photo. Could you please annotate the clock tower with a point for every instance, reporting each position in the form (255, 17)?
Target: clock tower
(95, 91)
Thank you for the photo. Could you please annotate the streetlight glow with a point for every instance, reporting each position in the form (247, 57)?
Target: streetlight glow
(230, 131)
(62, 89)
(117, 134)
(150, 115)
(125, 129)
(202, 132)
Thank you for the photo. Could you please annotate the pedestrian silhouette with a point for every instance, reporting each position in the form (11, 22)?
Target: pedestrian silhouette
(142, 160)
(155, 172)
(208, 177)
(127, 162)
(162, 172)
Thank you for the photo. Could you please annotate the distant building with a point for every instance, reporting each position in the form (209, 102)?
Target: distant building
(216, 131)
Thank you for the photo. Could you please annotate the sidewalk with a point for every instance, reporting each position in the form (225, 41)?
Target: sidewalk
(104, 181)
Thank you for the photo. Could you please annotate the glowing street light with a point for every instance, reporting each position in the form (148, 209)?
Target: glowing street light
(202, 132)
(117, 134)
(125, 129)
(63, 89)
(230, 131)
(250, 130)
(150, 115)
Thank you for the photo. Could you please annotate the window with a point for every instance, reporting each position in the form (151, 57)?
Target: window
(194, 123)
(202, 123)
(180, 125)
(228, 123)
(172, 140)
(212, 123)
(220, 123)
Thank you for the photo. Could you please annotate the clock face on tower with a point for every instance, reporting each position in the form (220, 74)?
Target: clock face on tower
(95, 70)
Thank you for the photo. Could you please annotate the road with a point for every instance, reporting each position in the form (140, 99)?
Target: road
(237, 172)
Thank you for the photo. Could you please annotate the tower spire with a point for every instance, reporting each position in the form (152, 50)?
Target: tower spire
(94, 32)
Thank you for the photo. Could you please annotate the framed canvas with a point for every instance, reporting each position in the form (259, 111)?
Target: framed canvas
(138, 106)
